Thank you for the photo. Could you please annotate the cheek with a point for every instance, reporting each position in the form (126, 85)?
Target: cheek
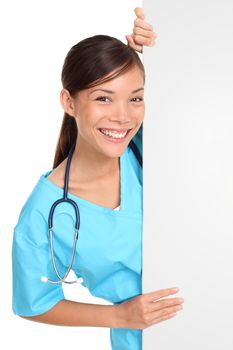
(139, 113)
(97, 114)
(90, 119)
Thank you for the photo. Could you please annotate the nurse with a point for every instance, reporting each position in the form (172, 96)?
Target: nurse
(102, 97)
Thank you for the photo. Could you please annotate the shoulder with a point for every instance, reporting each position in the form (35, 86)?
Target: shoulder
(57, 174)
(32, 219)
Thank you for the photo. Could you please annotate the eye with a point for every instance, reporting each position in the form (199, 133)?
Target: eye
(102, 98)
(138, 98)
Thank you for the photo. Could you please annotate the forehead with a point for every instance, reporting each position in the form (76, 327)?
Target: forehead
(130, 80)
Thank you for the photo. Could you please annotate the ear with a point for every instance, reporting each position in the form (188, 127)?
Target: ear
(67, 102)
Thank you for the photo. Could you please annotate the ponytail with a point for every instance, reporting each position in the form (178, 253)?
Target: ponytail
(67, 137)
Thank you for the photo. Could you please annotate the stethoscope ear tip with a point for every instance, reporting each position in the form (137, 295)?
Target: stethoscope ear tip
(80, 280)
(44, 279)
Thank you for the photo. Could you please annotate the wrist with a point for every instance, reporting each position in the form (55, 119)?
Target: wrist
(119, 317)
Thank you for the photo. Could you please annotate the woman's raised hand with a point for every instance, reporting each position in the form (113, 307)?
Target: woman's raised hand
(146, 310)
(142, 32)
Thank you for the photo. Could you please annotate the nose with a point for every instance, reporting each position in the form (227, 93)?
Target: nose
(120, 113)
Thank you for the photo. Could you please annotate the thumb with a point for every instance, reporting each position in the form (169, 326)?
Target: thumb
(139, 12)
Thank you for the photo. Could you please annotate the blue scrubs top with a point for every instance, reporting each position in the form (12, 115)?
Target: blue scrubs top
(109, 247)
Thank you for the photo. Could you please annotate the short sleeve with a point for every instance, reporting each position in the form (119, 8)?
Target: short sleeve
(31, 259)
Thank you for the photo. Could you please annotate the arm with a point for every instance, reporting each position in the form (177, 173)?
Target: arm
(71, 313)
(142, 32)
(139, 312)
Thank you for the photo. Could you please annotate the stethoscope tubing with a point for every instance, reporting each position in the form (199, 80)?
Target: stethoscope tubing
(65, 199)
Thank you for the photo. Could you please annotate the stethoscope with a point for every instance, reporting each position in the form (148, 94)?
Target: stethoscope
(77, 221)
(77, 225)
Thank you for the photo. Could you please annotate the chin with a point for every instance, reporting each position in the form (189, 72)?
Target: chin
(114, 153)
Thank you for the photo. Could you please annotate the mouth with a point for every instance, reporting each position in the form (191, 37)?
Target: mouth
(115, 135)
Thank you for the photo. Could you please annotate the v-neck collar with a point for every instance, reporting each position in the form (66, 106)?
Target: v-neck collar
(86, 203)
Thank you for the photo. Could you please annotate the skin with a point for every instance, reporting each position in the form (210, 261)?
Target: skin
(94, 171)
(103, 171)
(96, 161)
(143, 34)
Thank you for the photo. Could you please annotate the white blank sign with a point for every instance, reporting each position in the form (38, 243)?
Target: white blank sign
(188, 171)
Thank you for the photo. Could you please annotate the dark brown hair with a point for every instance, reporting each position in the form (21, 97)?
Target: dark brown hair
(86, 65)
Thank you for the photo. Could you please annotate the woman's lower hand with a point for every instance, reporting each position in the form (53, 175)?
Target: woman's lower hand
(146, 310)
(142, 32)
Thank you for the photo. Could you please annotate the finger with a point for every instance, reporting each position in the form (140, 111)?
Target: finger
(161, 319)
(139, 12)
(144, 32)
(138, 22)
(165, 312)
(151, 296)
(164, 303)
(134, 45)
(141, 40)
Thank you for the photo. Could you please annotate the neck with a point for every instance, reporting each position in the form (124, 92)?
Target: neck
(91, 164)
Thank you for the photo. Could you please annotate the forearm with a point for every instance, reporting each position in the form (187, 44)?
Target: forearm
(71, 313)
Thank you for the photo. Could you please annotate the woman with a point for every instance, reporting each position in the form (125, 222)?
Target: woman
(102, 97)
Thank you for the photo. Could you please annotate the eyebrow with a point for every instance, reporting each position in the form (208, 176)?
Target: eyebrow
(113, 92)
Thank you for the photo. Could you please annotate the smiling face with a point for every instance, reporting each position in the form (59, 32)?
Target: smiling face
(110, 114)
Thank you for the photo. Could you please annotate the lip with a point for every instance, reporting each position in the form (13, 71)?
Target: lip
(116, 130)
(115, 140)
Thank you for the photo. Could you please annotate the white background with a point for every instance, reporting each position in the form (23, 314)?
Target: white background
(35, 38)
(188, 171)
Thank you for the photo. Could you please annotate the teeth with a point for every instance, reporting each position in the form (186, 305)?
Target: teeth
(113, 134)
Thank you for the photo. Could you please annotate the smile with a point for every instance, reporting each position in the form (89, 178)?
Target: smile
(115, 134)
